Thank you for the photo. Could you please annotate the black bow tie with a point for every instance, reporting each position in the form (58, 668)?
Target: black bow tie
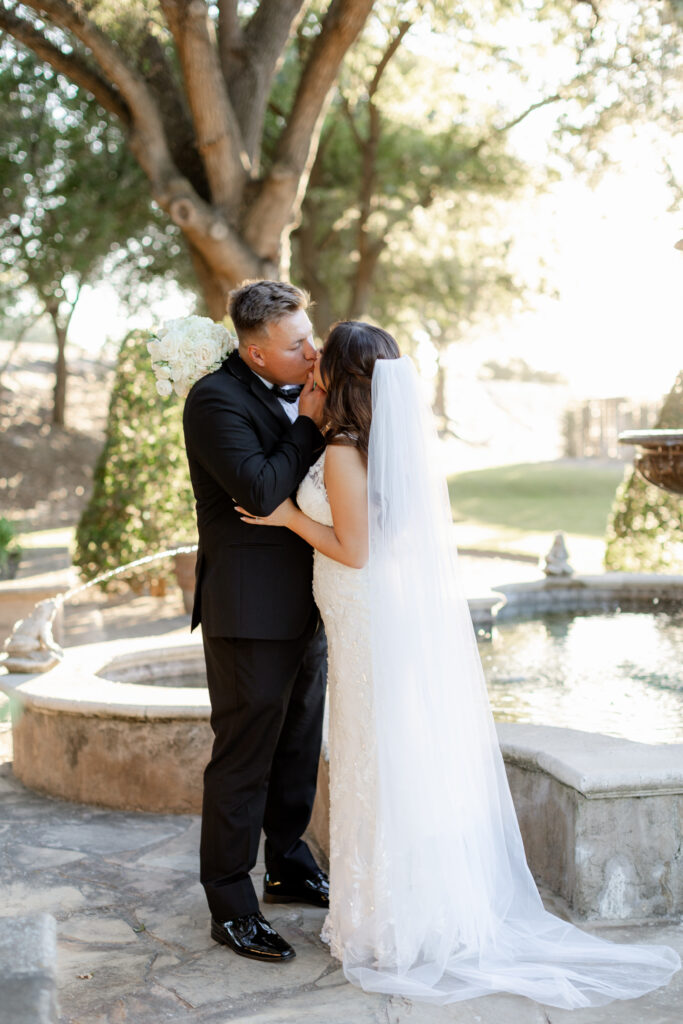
(288, 394)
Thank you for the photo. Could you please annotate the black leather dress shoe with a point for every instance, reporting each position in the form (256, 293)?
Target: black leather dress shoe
(314, 890)
(253, 937)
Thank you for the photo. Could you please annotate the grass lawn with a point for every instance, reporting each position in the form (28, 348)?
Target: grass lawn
(574, 496)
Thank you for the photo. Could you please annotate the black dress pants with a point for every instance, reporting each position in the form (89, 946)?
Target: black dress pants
(267, 702)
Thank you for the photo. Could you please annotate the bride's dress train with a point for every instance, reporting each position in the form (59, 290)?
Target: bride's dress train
(430, 894)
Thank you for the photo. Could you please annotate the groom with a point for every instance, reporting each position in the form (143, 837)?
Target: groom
(250, 441)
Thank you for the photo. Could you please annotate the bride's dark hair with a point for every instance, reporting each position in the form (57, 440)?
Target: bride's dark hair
(349, 355)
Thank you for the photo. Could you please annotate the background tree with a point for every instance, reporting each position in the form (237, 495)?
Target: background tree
(190, 84)
(223, 103)
(416, 149)
(142, 500)
(71, 199)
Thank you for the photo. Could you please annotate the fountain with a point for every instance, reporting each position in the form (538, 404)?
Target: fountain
(125, 724)
(659, 457)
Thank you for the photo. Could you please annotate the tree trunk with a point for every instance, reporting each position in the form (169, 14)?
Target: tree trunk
(362, 284)
(59, 399)
(439, 405)
(214, 289)
(321, 312)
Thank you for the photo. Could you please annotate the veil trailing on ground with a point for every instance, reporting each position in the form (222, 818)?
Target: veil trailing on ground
(456, 911)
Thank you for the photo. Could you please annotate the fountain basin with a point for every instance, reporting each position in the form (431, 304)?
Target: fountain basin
(85, 732)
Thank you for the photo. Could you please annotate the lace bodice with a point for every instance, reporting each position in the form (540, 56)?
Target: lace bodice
(312, 496)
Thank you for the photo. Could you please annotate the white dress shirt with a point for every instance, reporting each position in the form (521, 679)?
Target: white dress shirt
(291, 408)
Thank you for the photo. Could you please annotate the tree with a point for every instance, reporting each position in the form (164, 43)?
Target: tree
(190, 85)
(223, 102)
(142, 500)
(406, 129)
(71, 198)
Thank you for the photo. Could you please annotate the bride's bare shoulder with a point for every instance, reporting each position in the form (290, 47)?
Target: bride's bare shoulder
(343, 459)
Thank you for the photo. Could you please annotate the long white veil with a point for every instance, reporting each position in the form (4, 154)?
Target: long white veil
(457, 913)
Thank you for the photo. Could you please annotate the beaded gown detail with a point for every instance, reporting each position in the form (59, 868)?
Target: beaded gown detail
(342, 596)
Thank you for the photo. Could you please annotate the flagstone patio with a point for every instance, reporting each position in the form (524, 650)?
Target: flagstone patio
(134, 944)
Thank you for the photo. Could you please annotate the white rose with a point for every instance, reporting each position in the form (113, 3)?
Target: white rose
(181, 388)
(205, 355)
(184, 368)
(164, 388)
(170, 347)
(162, 371)
(154, 349)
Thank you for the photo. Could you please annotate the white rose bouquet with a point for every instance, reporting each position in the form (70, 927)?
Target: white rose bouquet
(185, 350)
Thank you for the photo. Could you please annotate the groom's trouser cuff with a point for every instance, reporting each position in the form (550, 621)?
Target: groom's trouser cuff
(235, 899)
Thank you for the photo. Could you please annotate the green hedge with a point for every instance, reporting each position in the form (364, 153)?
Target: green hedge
(645, 527)
(142, 499)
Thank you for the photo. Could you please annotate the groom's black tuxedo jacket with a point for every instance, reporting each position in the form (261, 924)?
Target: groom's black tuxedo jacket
(252, 581)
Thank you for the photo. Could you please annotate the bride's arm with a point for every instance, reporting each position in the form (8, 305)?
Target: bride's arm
(346, 484)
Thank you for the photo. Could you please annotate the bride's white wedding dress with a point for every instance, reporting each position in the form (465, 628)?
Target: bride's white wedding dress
(343, 598)
(430, 894)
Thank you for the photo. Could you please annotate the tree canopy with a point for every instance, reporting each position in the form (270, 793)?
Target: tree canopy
(223, 103)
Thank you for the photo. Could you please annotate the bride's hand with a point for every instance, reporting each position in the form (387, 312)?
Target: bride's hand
(281, 516)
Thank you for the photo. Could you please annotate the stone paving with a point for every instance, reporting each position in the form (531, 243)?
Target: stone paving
(134, 942)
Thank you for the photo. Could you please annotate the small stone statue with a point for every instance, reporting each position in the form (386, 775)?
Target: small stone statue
(557, 559)
(32, 647)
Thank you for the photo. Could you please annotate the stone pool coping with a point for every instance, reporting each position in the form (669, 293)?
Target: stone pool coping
(77, 685)
(586, 592)
(593, 764)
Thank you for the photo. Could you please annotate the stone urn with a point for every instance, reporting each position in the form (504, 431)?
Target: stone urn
(659, 457)
(185, 563)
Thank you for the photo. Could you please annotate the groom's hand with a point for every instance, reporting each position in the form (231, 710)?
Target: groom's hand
(312, 401)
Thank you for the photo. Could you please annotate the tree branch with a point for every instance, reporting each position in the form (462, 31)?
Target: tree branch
(202, 225)
(250, 67)
(401, 29)
(348, 113)
(177, 123)
(529, 110)
(218, 243)
(219, 139)
(229, 32)
(369, 249)
(147, 137)
(69, 64)
(279, 198)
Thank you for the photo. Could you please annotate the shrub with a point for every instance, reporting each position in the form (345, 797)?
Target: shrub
(142, 499)
(645, 527)
(10, 551)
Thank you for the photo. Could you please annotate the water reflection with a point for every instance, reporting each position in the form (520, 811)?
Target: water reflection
(619, 673)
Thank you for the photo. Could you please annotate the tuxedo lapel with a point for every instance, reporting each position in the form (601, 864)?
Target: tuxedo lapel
(235, 365)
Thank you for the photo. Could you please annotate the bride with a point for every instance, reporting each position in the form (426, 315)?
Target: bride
(431, 897)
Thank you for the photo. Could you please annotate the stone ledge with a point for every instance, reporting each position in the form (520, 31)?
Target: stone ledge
(618, 581)
(82, 683)
(597, 766)
(28, 981)
(582, 593)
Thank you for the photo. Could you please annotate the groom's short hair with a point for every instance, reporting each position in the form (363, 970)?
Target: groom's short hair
(255, 304)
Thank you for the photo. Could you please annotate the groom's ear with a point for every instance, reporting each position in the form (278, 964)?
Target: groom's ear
(255, 353)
